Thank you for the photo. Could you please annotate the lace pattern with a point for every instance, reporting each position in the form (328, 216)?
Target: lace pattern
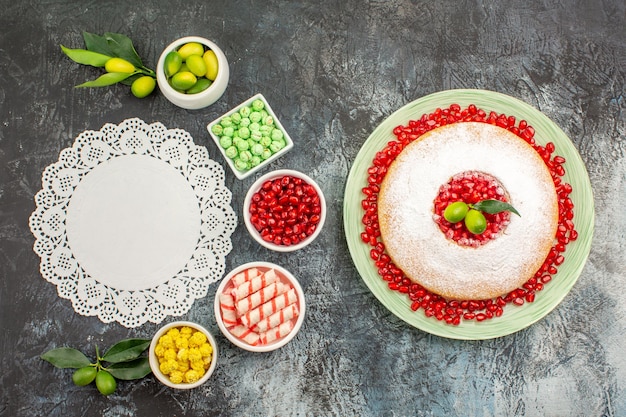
(106, 294)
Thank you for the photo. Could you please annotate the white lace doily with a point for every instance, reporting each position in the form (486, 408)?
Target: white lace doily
(133, 223)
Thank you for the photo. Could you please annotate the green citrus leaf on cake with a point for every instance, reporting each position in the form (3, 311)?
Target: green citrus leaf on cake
(494, 207)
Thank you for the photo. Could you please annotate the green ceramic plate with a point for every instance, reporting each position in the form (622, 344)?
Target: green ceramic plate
(514, 318)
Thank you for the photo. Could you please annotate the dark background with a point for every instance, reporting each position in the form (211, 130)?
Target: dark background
(332, 71)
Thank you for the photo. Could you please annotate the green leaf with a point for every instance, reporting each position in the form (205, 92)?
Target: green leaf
(135, 369)
(494, 207)
(66, 357)
(129, 80)
(97, 43)
(85, 57)
(113, 44)
(104, 80)
(126, 350)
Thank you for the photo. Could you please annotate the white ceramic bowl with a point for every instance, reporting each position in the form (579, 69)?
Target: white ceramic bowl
(243, 174)
(204, 98)
(285, 277)
(257, 186)
(154, 362)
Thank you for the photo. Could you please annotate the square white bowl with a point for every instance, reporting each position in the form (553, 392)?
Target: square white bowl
(288, 141)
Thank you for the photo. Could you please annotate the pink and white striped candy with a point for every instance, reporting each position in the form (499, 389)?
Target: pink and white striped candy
(244, 276)
(262, 296)
(276, 333)
(254, 284)
(276, 319)
(227, 306)
(246, 334)
(254, 316)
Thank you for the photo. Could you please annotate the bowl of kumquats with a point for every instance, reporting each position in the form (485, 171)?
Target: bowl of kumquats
(183, 355)
(259, 306)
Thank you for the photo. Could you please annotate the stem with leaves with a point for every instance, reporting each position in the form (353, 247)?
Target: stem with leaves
(122, 361)
(100, 49)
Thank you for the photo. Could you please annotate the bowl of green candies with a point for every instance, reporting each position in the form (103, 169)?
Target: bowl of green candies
(250, 136)
(192, 72)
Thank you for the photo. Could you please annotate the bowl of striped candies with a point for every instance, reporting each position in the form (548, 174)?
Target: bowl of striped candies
(259, 306)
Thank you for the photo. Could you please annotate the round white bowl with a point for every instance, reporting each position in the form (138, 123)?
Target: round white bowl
(257, 186)
(287, 277)
(154, 362)
(204, 98)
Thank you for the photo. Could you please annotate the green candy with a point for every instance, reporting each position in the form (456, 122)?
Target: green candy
(244, 132)
(231, 152)
(249, 136)
(266, 141)
(276, 146)
(245, 111)
(226, 121)
(277, 134)
(256, 160)
(243, 145)
(236, 118)
(217, 129)
(266, 153)
(255, 117)
(241, 165)
(256, 136)
(245, 156)
(229, 131)
(257, 149)
(226, 142)
(258, 105)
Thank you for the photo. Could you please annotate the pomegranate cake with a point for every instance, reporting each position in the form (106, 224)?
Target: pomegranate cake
(502, 218)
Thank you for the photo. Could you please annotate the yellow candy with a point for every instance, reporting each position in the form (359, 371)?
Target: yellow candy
(206, 350)
(198, 365)
(176, 377)
(166, 341)
(182, 342)
(183, 366)
(184, 354)
(192, 376)
(197, 339)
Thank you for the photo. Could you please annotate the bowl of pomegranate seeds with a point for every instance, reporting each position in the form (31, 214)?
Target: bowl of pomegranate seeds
(284, 210)
(259, 306)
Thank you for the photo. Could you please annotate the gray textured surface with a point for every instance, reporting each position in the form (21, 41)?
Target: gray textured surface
(332, 70)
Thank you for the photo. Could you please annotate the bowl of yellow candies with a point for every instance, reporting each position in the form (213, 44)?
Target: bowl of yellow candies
(183, 355)
(192, 72)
